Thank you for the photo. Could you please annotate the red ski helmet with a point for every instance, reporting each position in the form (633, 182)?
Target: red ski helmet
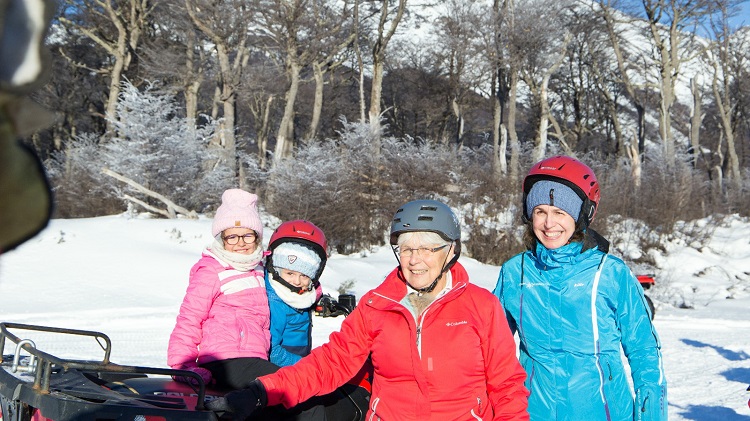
(571, 172)
(303, 232)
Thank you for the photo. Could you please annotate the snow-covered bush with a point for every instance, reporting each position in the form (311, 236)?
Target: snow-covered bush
(153, 146)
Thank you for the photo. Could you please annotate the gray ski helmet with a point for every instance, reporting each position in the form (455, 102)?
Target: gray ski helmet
(426, 215)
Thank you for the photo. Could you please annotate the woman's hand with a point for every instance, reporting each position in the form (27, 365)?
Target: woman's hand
(241, 403)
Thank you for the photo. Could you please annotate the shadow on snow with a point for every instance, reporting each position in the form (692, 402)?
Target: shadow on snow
(712, 413)
(726, 353)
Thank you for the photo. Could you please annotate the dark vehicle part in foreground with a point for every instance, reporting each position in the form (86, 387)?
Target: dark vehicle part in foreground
(38, 386)
(327, 306)
(647, 281)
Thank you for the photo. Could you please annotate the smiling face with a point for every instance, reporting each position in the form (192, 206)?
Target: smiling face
(240, 246)
(552, 226)
(294, 278)
(422, 258)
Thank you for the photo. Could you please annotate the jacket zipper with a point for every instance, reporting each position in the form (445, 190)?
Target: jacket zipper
(420, 318)
(419, 338)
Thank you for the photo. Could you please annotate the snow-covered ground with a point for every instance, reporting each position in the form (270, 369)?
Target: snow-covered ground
(126, 277)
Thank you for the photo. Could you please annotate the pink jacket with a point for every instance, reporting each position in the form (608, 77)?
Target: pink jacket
(224, 315)
(458, 362)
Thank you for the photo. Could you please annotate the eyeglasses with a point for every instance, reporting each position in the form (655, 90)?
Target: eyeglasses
(233, 239)
(420, 251)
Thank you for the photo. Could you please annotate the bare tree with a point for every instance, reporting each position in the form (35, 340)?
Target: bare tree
(114, 25)
(501, 62)
(225, 23)
(727, 61)
(383, 37)
(668, 22)
(586, 91)
(455, 56)
(340, 36)
(303, 32)
(180, 57)
(544, 54)
(632, 65)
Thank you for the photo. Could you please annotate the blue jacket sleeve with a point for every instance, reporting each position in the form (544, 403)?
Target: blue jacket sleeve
(642, 347)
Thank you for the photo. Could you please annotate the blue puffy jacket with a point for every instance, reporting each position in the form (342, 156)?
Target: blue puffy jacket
(573, 307)
(291, 330)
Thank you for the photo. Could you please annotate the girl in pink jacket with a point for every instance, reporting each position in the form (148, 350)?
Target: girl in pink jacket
(223, 327)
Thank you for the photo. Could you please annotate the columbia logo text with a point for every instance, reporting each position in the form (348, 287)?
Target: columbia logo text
(462, 322)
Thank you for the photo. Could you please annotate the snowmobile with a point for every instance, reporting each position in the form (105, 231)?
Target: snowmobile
(38, 386)
(647, 281)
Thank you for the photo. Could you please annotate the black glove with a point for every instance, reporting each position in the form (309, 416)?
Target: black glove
(242, 403)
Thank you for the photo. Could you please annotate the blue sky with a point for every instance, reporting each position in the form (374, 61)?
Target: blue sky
(744, 16)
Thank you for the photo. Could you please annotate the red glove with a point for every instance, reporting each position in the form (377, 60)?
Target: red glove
(203, 372)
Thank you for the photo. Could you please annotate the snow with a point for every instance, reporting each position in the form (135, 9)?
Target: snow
(126, 275)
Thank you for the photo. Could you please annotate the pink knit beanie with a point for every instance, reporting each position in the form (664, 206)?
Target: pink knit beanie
(238, 210)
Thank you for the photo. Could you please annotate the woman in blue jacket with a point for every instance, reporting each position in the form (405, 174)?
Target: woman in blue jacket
(574, 306)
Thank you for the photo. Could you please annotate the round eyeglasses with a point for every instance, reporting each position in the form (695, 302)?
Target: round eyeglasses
(233, 239)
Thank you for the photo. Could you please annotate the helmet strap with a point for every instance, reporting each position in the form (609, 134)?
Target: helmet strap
(297, 290)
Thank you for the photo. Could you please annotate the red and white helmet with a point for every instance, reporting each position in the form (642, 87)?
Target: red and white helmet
(571, 172)
(303, 232)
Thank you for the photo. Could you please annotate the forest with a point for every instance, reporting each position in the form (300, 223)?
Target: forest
(337, 111)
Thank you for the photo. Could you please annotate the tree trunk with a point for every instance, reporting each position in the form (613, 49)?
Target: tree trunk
(263, 131)
(193, 81)
(541, 147)
(623, 66)
(227, 100)
(215, 101)
(317, 102)
(360, 65)
(497, 166)
(376, 93)
(515, 145)
(285, 135)
(172, 208)
(378, 57)
(635, 163)
(725, 114)
(115, 78)
(695, 122)
(456, 108)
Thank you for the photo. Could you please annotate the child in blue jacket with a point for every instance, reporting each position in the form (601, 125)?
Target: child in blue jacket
(298, 256)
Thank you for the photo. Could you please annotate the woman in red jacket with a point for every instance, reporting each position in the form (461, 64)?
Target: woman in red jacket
(441, 347)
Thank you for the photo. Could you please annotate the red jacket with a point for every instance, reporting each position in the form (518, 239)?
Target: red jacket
(467, 369)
